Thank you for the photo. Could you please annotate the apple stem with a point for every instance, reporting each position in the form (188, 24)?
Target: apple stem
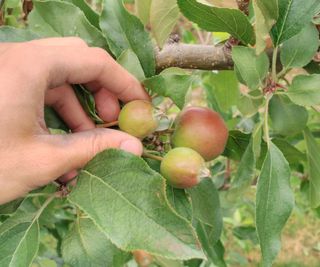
(204, 173)
(274, 64)
(146, 154)
(266, 123)
(107, 125)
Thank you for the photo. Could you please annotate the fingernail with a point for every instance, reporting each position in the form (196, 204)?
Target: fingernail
(132, 146)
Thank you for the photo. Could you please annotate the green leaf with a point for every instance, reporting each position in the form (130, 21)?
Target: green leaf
(313, 155)
(269, 9)
(53, 120)
(87, 102)
(12, 3)
(224, 85)
(129, 60)
(246, 168)
(206, 207)
(127, 201)
(295, 52)
(249, 104)
(91, 15)
(313, 67)
(246, 233)
(287, 118)
(173, 83)
(52, 19)
(262, 28)
(290, 152)
(275, 202)
(208, 219)
(86, 245)
(294, 15)
(180, 202)
(163, 17)
(253, 69)
(216, 19)
(211, 99)
(163, 262)
(19, 237)
(11, 34)
(123, 31)
(236, 145)
(266, 14)
(11, 207)
(305, 90)
(214, 250)
(143, 10)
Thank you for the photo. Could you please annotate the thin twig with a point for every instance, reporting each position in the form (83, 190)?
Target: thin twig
(107, 125)
(151, 156)
(316, 108)
(266, 122)
(274, 64)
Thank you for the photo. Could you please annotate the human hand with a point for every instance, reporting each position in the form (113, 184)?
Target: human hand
(40, 72)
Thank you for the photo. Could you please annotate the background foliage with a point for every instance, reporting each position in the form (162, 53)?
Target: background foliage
(267, 177)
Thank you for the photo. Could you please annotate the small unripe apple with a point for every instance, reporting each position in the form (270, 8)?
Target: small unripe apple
(142, 258)
(201, 129)
(183, 167)
(138, 118)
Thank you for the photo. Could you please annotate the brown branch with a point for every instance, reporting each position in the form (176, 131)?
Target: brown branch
(201, 57)
(186, 56)
(244, 6)
(27, 8)
(1, 18)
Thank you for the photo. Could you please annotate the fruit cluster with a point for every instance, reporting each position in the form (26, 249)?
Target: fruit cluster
(200, 135)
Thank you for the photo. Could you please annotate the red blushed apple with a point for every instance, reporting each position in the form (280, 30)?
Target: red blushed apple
(201, 129)
(183, 167)
(138, 118)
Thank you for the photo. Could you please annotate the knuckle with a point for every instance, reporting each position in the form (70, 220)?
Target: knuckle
(30, 53)
(100, 54)
(23, 49)
(129, 84)
(95, 144)
(78, 41)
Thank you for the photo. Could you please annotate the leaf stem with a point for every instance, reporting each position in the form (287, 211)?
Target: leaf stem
(44, 205)
(253, 97)
(316, 108)
(282, 73)
(274, 64)
(55, 183)
(266, 123)
(107, 125)
(151, 156)
(38, 195)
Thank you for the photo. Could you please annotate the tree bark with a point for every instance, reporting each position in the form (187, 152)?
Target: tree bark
(201, 57)
(186, 56)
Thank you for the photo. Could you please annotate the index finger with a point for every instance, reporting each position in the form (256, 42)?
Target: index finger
(92, 66)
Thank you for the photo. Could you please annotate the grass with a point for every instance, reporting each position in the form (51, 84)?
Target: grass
(300, 243)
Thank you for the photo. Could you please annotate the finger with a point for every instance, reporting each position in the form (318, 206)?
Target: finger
(107, 105)
(68, 176)
(65, 102)
(79, 65)
(60, 154)
(58, 41)
(5, 46)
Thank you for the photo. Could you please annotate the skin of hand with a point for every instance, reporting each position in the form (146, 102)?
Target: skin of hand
(41, 72)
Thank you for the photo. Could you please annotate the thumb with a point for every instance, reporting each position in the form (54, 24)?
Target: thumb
(73, 151)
